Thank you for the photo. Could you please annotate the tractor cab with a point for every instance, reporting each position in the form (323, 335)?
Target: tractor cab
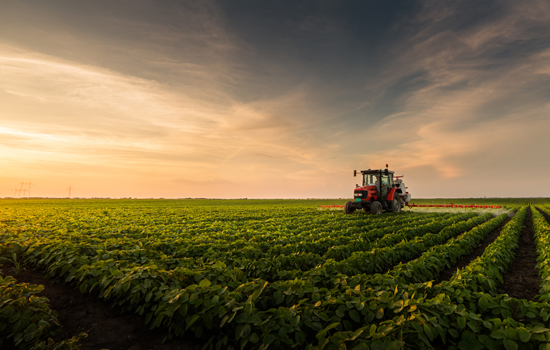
(377, 181)
(380, 191)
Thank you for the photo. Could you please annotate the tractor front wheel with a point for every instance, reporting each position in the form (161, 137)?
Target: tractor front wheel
(349, 208)
(376, 208)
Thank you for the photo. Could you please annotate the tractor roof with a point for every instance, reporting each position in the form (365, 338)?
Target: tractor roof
(375, 171)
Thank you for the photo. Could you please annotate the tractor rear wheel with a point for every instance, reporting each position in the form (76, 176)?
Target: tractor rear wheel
(395, 205)
(349, 208)
(376, 208)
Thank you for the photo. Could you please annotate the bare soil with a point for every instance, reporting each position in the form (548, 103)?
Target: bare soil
(522, 280)
(478, 251)
(107, 327)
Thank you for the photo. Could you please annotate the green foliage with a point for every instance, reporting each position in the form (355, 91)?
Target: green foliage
(258, 275)
(26, 321)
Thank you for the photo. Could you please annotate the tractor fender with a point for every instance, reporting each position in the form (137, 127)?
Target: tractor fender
(392, 193)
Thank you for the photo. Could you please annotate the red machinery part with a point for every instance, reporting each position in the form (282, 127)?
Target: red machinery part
(454, 206)
(432, 206)
(391, 194)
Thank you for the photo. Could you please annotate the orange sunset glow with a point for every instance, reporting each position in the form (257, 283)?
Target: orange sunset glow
(270, 100)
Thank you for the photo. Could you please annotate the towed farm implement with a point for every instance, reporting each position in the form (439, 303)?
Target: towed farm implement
(451, 205)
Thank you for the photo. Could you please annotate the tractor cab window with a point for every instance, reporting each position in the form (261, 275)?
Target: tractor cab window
(387, 180)
(370, 179)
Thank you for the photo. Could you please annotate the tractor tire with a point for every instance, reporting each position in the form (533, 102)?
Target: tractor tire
(376, 208)
(395, 205)
(349, 208)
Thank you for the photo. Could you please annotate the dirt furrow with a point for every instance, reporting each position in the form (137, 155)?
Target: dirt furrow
(107, 327)
(522, 280)
(478, 251)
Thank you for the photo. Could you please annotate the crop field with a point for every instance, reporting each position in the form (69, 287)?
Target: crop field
(281, 274)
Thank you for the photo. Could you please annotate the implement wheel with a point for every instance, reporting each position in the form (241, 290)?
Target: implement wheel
(349, 208)
(395, 205)
(376, 208)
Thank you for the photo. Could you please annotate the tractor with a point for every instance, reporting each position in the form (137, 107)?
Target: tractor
(380, 191)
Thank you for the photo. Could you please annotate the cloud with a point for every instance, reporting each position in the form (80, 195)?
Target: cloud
(269, 155)
(220, 93)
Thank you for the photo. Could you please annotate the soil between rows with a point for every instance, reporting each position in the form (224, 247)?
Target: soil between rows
(107, 327)
(478, 251)
(522, 279)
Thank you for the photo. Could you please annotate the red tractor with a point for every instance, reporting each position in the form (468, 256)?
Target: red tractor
(381, 191)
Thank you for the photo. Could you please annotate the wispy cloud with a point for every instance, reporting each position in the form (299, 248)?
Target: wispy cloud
(79, 114)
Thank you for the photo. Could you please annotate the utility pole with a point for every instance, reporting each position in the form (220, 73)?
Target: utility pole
(30, 184)
(20, 188)
(70, 189)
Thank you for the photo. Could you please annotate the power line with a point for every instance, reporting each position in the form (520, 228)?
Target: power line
(23, 187)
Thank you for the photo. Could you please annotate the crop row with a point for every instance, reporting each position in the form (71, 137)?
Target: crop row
(542, 239)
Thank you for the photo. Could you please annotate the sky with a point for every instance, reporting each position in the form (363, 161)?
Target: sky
(282, 99)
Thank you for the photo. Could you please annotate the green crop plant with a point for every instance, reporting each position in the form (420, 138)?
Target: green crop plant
(17, 265)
